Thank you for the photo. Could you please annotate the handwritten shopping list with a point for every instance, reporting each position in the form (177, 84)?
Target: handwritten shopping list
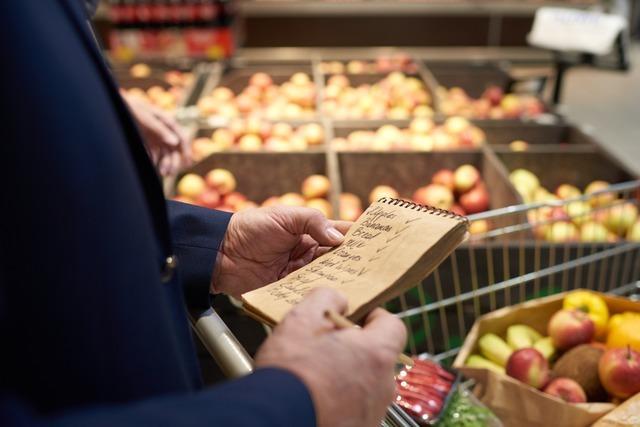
(379, 249)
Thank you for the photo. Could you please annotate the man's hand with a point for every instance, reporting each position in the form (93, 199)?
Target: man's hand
(349, 372)
(164, 138)
(264, 245)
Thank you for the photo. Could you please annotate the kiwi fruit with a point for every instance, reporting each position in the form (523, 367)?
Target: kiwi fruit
(581, 365)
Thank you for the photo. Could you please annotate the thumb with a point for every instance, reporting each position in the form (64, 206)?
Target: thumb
(309, 221)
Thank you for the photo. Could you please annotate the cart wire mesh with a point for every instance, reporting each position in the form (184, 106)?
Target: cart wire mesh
(520, 253)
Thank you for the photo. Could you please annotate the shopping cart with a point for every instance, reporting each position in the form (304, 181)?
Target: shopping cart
(507, 263)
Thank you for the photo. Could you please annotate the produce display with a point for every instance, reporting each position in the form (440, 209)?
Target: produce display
(217, 190)
(493, 104)
(167, 97)
(423, 134)
(600, 218)
(293, 99)
(397, 96)
(423, 390)
(255, 134)
(381, 65)
(461, 191)
(587, 356)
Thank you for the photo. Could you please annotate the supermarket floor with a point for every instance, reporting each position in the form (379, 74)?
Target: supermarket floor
(608, 103)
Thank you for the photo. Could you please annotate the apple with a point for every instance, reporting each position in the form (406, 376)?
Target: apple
(603, 199)
(140, 71)
(421, 142)
(191, 186)
(567, 191)
(313, 133)
(519, 145)
(475, 200)
(282, 130)
(203, 147)
(525, 182)
(493, 94)
(292, 199)
(567, 390)
(434, 195)
(222, 94)
(382, 191)
(569, 328)
(593, 232)
(350, 207)
(479, 226)
(246, 205)
(456, 124)
(260, 80)
(223, 137)
(578, 212)
(234, 199)
(465, 178)
(421, 125)
(634, 232)
(619, 372)
(221, 180)
(250, 142)
(209, 199)
(511, 106)
(322, 205)
(529, 366)
(444, 177)
(562, 232)
(315, 186)
(621, 217)
(458, 210)
(271, 201)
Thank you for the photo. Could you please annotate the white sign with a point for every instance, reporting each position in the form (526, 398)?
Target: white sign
(575, 30)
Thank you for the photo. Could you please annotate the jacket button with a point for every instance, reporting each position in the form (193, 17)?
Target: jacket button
(170, 265)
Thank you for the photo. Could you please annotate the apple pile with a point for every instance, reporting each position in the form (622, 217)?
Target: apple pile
(255, 134)
(421, 135)
(493, 104)
(572, 363)
(461, 191)
(382, 65)
(294, 99)
(217, 190)
(166, 99)
(601, 218)
(396, 96)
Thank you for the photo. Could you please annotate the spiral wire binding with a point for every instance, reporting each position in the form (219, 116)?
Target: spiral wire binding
(423, 208)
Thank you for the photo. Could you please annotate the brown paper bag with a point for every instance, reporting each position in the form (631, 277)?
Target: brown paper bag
(518, 404)
(625, 415)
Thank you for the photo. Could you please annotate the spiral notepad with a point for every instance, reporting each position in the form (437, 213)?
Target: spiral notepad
(393, 246)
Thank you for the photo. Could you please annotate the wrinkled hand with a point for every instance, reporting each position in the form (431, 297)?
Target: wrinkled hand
(264, 245)
(164, 139)
(348, 372)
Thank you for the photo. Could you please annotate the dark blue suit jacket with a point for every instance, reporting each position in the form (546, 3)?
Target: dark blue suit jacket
(90, 333)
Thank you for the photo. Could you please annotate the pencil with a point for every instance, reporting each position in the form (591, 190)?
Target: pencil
(342, 322)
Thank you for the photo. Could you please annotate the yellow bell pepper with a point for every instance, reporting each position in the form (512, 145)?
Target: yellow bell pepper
(617, 319)
(592, 304)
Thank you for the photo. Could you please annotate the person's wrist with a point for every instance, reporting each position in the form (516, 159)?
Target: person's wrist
(216, 285)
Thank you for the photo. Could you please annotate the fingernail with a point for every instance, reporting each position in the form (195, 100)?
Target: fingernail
(334, 234)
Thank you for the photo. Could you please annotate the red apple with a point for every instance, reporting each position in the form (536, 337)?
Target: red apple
(250, 142)
(619, 371)
(322, 205)
(567, 191)
(493, 94)
(315, 186)
(382, 191)
(457, 209)
(234, 199)
(465, 178)
(224, 137)
(569, 328)
(282, 130)
(475, 200)
(261, 80)
(434, 195)
(529, 366)
(603, 199)
(209, 199)
(313, 133)
(221, 180)
(567, 390)
(444, 177)
(271, 201)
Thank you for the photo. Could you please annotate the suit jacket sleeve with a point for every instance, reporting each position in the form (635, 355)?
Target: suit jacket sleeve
(197, 237)
(268, 398)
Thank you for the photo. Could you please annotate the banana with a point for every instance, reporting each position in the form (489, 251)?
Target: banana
(495, 349)
(545, 346)
(477, 361)
(522, 336)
